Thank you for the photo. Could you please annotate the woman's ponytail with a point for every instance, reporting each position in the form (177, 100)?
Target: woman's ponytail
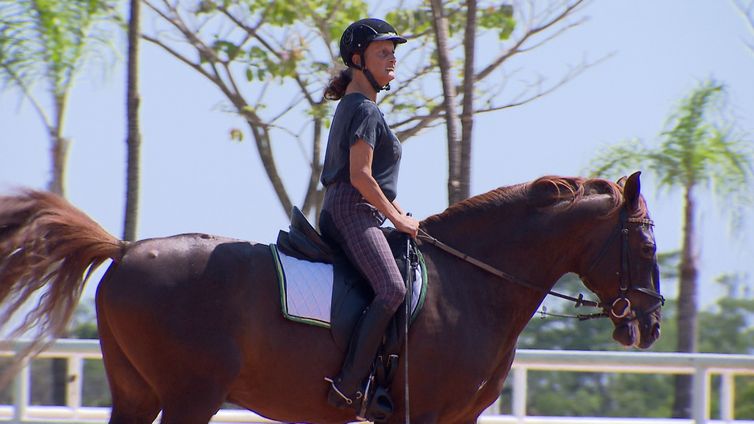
(336, 88)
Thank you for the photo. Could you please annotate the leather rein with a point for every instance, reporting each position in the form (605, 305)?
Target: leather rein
(623, 275)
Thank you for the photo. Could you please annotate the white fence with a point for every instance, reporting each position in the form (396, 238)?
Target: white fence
(701, 366)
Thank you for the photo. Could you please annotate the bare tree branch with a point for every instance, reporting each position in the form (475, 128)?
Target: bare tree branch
(522, 98)
(552, 36)
(255, 34)
(747, 12)
(181, 58)
(518, 45)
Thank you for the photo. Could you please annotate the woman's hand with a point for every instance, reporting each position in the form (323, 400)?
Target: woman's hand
(407, 224)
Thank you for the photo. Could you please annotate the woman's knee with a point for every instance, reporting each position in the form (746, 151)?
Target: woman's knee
(392, 297)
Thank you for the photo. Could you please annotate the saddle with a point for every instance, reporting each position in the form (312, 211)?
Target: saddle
(351, 293)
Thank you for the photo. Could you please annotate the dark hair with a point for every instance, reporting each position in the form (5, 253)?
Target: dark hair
(336, 88)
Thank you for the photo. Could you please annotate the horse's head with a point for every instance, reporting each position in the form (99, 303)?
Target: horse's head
(624, 274)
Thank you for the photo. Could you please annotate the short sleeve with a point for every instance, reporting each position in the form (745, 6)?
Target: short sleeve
(367, 122)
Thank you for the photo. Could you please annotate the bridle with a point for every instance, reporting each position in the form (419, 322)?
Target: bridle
(620, 308)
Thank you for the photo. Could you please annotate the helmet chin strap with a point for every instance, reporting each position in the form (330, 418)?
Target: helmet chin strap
(372, 81)
(377, 88)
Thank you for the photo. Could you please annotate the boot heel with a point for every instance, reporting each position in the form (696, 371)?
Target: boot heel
(380, 406)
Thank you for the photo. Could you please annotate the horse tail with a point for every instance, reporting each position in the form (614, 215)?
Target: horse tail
(47, 244)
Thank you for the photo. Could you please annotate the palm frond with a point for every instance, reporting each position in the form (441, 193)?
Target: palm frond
(48, 39)
(618, 160)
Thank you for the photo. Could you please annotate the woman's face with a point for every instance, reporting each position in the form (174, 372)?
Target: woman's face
(380, 60)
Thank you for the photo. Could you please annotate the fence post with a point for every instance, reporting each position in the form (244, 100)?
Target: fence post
(701, 396)
(727, 396)
(74, 384)
(21, 392)
(519, 393)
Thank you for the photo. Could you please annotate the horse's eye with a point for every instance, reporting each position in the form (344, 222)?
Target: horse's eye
(648, 250)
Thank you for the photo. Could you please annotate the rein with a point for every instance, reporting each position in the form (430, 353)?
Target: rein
(579, 301)
(624, 283)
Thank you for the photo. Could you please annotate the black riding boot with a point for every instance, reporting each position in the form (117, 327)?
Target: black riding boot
(347, 389)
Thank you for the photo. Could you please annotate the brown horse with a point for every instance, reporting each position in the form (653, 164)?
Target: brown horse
(191, 321)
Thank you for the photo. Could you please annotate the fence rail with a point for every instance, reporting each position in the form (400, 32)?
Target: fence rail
(701, 366)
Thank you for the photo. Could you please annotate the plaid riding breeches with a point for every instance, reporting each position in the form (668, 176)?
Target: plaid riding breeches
(354, 223)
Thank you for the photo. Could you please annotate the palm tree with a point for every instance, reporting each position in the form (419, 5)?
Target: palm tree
(47, 41)
(700, 150)
(133, 137)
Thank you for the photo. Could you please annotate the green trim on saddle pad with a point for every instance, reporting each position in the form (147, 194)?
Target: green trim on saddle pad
(326, 324)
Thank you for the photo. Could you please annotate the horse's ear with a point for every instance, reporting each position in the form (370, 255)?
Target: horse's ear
(632, 189)
(622, 181)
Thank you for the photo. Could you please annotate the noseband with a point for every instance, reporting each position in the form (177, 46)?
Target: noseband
(621, 307)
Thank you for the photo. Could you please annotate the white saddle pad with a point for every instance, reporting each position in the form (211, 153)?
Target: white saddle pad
(306, 288)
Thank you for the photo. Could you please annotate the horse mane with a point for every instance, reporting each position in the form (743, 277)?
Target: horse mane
(544, 193)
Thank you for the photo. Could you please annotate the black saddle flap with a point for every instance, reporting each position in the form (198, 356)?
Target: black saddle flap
(302, 241)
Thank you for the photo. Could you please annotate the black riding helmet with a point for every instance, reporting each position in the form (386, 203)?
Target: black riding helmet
(356, 39)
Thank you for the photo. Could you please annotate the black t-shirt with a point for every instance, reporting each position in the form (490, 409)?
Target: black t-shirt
(357, 117)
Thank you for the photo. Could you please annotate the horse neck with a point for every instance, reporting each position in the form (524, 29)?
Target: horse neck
(535, 247)
(538, 248)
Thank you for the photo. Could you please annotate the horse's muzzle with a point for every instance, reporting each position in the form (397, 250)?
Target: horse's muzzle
(641, 332)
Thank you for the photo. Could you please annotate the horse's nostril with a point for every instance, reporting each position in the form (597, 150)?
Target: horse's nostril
(656, 330)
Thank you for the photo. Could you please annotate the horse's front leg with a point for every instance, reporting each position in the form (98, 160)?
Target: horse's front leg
(490, 392)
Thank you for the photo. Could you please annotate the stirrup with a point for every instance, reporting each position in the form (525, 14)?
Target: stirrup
(380, 406)
(348, 400)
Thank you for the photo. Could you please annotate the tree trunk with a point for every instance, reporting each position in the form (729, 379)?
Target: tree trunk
(133, 137)
(687, 306)
(311, 200)
(59, 153)
(59, 147)
(262, 139)
(467, 115)
(440, 27)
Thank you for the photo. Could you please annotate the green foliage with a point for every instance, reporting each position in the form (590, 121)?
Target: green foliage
(320, 111)
(744, 397)
(490, 17)
(84, 322)
(6, 393)
(729, 327)
(724, 328)
(498, 18)
(411, 21)
(95, 389)
(590, 394)
(415, 20)
(279, 46)
(50, 39)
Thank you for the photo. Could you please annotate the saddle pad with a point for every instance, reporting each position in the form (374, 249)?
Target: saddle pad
(306, 288)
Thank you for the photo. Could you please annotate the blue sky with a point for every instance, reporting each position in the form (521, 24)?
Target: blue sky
(194, 179)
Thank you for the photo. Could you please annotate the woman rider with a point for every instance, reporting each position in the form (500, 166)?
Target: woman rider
(360, 175)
